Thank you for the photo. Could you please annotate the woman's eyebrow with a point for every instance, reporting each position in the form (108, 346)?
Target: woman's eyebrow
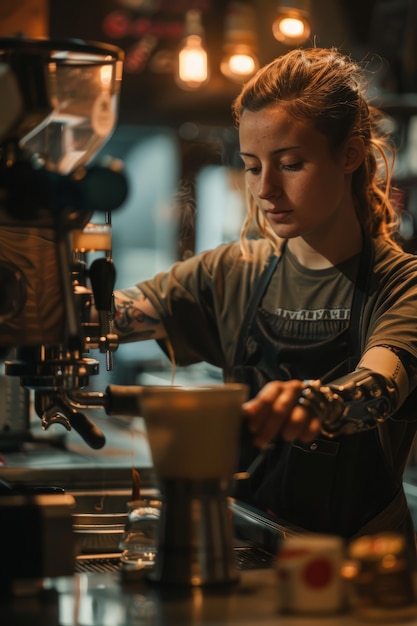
(277, 151)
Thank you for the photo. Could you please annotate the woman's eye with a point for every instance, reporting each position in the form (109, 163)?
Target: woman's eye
(293, 167)
(253, 170)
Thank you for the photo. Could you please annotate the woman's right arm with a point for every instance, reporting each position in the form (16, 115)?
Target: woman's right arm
(135, 318)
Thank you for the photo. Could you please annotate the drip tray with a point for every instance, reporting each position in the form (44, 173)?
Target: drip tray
(257, 535)
(247, 558)
(99, 519)
(98, 563)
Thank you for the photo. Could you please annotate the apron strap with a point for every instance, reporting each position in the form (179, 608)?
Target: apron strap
(253, 303)
(362, 284)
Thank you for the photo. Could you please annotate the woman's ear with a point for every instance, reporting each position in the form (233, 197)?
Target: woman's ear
(353, 154)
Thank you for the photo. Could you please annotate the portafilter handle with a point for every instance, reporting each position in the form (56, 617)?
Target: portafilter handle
(54, 409)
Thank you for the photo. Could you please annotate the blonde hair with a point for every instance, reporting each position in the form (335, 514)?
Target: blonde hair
(326, 87)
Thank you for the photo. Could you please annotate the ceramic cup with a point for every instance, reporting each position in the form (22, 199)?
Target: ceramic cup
(309, 572)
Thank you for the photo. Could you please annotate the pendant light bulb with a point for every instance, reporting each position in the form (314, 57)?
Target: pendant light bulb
(240, 59)
(242, 64)
(239, 63)
(192, 57)
(292, 24)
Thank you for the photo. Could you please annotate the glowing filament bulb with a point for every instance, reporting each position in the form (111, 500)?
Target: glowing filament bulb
(242, 64)
(292, 24)
(291, 27)
(192, 69)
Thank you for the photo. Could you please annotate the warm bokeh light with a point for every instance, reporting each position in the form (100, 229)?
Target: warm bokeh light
(242, 64)
(106, 73)
(192, 63)
(239, 65)
(291, 29)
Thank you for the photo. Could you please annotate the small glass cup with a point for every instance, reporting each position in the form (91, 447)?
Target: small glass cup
(382, 577)
(138, 544)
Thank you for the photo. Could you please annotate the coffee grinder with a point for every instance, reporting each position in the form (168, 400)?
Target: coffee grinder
(60, 106)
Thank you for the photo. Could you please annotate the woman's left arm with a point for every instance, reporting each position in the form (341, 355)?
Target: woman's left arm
(302, 409)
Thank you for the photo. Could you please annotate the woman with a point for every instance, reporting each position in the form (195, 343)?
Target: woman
(317, 314)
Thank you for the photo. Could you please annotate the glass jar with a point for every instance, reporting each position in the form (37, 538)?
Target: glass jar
(138, 544)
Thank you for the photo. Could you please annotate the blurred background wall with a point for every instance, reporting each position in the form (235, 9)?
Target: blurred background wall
(178, 144)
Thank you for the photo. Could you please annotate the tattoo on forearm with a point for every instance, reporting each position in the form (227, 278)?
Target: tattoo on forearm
(128, 315)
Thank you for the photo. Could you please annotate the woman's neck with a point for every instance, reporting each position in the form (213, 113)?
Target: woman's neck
(322, 252)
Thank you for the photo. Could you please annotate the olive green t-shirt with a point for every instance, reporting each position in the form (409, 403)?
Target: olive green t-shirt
(202, 301)
(312, 305)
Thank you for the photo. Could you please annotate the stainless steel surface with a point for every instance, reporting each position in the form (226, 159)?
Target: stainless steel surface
(410, 489)
(48, 459)
(246, 557)
(99, 518)
(195, 539)
(103, 599)
(255, 537)
(14, 412)
(255, 540)
(98, 533)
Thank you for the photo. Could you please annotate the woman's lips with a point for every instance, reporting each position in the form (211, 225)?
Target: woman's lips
(276, 215)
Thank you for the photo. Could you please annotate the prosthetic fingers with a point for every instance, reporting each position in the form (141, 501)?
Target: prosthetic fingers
(354, 403)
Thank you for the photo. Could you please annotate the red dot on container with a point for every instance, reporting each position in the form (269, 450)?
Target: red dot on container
(317, 573)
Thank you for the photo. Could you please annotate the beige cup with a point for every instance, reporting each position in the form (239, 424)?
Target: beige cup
(309, 571)
(193, 432)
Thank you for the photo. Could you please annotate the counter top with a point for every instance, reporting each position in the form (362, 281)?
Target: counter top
(60, 458)
(103, 600)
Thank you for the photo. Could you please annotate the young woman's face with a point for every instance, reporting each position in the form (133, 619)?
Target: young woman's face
(295, 179)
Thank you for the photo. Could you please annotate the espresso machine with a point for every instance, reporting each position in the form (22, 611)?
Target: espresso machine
(59, 106)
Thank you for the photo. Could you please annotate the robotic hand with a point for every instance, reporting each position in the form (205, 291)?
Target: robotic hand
(351, 404)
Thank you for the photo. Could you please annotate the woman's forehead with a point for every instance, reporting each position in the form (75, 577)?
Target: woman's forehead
(275, 122)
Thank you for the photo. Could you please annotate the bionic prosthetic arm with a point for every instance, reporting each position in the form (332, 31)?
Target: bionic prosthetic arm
(354, 403)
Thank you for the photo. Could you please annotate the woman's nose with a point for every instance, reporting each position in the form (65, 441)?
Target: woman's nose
(269, 186)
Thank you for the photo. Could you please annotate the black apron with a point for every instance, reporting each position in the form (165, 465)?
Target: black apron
(328, 485)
